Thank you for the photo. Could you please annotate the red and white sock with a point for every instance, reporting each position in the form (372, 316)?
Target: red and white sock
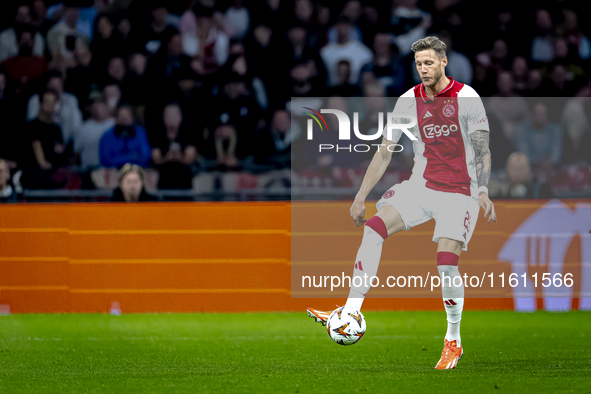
(452, 288)
(367, 261)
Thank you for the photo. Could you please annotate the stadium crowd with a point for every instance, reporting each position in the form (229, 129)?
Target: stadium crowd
(188, 88)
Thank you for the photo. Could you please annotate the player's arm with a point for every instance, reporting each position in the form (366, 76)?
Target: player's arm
(374, 173)
(480, 142)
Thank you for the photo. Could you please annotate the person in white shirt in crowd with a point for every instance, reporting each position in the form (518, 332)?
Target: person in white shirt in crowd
(203, 35)
(355, 52)
(86, 141)
(8, 41)
(64, 37)
(67, 114)
(237, 20)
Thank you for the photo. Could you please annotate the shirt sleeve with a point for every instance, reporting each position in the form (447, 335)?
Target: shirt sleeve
(473, 112)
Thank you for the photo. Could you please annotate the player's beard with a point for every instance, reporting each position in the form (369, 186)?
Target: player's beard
(434, 80)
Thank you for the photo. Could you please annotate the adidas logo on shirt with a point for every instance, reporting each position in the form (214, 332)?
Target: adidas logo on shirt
(427, 115)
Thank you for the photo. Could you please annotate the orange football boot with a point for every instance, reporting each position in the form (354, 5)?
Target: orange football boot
(450, 356)
(319, 316)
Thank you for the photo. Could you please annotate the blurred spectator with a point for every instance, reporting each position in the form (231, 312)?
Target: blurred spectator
(259, 44)
(87, 13)
(116, 69)
(567, 56)
(355, 52)
(458, 66)
(39, 17)
(6, 102)
(352, 11)
(297, 47)
(409, 24)
(135, 84)
(125, 38)
(274, 142)
(520, 181)
(237, 105)
(301, 84)
(79, 80)
(113, 95)
(126, 142)
(67, 114)
(304, 11)
(572, 33)
(25, 67)
(343, 87)
(497, 58)
(46, 136)
(507, 105)
(387, 66)
(86, 141)
(447, 15)
(64, 38)
(202, 37)
(269, 12)
(501, 141)
(131, 185)
(539, 139)
(106, 42)
(534, 84)
(576, 126)
(169, 59)
(558, 85)
(225, 145)
(237, 19)
(7, 193)
(541, 46)
(157, 32)
(9, 140)
(376, 102)
(174, 150)
(240, 65)
(299, 60)
(9, 41)
(520, 74)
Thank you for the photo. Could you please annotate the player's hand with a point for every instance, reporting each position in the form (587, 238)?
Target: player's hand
(488, 206)
(357, 212)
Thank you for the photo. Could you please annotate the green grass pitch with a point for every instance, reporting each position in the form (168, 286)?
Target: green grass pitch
(289, 353)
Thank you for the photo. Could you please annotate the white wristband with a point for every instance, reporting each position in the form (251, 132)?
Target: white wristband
(483, 189)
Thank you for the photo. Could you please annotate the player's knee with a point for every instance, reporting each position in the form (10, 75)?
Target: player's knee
(377, 224)
(447, 259)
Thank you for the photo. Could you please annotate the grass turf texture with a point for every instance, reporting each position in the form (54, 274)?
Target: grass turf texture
(289, 353)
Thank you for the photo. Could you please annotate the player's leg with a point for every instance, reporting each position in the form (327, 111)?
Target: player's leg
(398, 209)
(452, 234)
(452, 287)
(385, 223)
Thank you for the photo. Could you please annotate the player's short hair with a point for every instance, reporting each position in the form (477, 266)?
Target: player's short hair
(430, 42)
(129, 168)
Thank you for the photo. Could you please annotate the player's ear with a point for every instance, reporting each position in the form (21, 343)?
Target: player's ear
(444, 62)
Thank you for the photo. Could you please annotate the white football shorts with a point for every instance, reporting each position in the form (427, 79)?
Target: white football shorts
(455, 214)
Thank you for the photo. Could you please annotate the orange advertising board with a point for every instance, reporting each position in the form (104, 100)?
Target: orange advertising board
(236, 257)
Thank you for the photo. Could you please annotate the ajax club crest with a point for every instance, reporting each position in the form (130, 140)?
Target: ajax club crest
(449, 109)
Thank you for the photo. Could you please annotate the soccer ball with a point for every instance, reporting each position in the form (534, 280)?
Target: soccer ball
(346, 326)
